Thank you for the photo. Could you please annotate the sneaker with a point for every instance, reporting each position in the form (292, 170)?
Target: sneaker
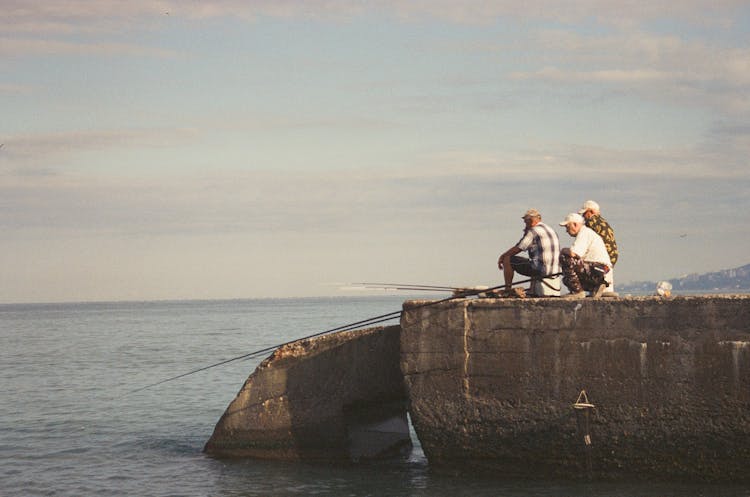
(575, 295)
(599, 291)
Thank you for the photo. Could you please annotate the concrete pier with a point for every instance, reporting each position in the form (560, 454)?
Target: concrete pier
(662, 388)
(492, 383)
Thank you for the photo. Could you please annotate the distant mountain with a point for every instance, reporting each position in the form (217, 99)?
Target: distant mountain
(727, 280)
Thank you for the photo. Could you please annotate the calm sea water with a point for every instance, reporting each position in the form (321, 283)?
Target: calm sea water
(69, 426)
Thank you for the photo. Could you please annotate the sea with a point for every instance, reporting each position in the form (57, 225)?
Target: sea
(76, 420)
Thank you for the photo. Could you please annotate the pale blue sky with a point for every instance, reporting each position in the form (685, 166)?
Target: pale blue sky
(165, 150)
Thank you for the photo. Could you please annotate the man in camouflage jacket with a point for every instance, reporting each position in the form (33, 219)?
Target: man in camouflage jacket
(594, 220)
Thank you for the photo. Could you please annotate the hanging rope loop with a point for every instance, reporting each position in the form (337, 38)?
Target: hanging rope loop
(583, 401)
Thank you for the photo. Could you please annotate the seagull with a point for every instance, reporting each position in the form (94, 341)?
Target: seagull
(683, 235)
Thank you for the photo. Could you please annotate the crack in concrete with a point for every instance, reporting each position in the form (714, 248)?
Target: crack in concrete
(467, 329)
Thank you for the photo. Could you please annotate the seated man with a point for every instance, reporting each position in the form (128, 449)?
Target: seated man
(592, 215)
(543, 247)
(585, 265)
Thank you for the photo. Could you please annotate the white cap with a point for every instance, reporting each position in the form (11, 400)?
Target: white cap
(572, 218)
(589, 204)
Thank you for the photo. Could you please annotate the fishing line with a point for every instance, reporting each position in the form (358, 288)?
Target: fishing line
(249, 355)
(346, 327)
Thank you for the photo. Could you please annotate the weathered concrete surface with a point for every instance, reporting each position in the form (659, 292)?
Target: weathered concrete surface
(338, 396)
(492, 383)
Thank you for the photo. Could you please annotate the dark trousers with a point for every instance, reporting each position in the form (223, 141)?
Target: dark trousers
(522, 266)
(580, 275)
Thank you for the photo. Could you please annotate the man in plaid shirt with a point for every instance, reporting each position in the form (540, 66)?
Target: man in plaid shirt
(543, 262)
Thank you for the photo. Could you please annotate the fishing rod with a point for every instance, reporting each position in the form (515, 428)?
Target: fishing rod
(346, 327)
(456, 290)
(402, 286)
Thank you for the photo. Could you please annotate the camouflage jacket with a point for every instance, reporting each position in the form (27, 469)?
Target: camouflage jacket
(604, 230)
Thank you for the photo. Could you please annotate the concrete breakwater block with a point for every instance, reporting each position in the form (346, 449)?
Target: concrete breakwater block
(334, 397)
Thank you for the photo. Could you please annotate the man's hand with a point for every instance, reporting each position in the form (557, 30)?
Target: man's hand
(568, 253)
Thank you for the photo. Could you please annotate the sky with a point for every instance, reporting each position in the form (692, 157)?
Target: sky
(156, 150)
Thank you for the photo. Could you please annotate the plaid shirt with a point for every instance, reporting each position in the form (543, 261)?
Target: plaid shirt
(604, 230)
(544, 248)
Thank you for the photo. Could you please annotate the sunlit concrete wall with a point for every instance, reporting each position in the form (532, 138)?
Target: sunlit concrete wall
(492, 383)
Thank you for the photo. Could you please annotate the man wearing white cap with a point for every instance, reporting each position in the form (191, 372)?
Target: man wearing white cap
(543, 264)
(585, 265)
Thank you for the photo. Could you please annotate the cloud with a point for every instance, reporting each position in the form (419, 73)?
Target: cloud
(222, 201)
(626, 167)
(606, 11)
(11, 89)
(729, 143)
(655, 56)
(662, 68)
(452, 192)
(656, 66)
(28, 46)
(83, 16)
(611, 76)
(22, 150)
(53, 16)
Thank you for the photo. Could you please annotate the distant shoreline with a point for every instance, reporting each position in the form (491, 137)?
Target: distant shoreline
(640, 292)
